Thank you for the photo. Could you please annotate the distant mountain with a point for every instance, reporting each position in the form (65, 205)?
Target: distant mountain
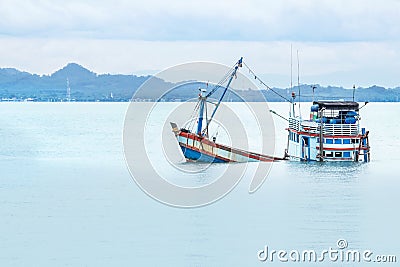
(74, 70)
(85, 85)
(88, 86)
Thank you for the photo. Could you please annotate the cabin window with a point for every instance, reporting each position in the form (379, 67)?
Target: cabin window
(338, 154)
(338, 141)
(329, 141)
(354, 141)
(346, 155)
(329, 154)
(317, 139)
(346, 141)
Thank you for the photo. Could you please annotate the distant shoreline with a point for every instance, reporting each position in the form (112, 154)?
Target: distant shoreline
(152, 101)
(78, 84)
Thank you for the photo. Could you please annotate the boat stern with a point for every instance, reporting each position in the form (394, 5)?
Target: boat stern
(175, 128)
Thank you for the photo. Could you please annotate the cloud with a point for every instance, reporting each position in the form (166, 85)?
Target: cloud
(338, 63)
(341, 42)
(288, 20)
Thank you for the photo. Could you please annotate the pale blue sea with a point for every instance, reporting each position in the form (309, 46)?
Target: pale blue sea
(67, 198)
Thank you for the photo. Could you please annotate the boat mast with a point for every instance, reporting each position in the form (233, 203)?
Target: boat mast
(238, 64)
(291, 67)
(291, 77)
(202, 100)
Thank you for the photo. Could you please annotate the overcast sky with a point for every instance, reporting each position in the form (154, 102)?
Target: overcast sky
(340, 42)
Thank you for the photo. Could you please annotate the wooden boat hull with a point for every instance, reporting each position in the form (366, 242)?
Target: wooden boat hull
(201, 149)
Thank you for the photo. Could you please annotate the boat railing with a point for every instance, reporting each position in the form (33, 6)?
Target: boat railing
(328, 128)
(340, 129)
(332, 129)
(294, 124)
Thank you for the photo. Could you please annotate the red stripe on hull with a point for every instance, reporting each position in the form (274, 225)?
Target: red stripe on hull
(243, 153)
(342, 149)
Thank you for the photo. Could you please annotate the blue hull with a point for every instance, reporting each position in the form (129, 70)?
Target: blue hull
(198, 156)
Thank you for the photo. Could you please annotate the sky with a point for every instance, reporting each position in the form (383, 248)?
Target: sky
(339, 42)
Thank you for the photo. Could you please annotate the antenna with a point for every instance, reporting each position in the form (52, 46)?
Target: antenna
(291, 67)
(68, 91)
(354, 90)
(298, 79)
(291, 78)
(313, 89)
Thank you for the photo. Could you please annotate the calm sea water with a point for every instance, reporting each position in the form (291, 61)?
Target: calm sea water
(67, 198)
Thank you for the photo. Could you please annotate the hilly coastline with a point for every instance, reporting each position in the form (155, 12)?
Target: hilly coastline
(86, 85)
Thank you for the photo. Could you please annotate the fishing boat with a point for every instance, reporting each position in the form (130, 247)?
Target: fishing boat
(196, 144)
(332, 133)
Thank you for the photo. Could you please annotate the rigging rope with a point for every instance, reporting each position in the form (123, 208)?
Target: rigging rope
(220, 84)
(327, 96)
(215, 88)
(222, 81)
(263, 83)
(192, 117)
